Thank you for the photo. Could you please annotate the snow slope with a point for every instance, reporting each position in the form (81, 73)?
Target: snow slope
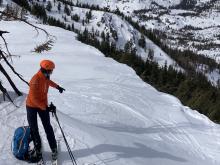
(104, 22)
(109, 115)
(130, 5)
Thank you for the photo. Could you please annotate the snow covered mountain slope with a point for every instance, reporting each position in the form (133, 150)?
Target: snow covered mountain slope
(130, 5)
(192, 25)
(109, 115)
(108, 23)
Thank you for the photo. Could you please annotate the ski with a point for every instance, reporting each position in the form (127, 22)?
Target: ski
(55, 161)
(41, 162)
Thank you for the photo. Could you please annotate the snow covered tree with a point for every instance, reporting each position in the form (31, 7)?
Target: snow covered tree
(1, 2)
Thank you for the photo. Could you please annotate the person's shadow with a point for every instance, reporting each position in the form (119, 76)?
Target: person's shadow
(138, 151)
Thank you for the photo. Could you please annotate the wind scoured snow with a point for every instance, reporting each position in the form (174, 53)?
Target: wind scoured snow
(109, 115)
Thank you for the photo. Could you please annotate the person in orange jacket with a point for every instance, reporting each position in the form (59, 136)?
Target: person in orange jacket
(37, 103)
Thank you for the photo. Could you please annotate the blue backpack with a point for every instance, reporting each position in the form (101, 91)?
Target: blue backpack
(20, 142)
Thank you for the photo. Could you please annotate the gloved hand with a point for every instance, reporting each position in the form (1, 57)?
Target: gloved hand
(60, 89)
(52, 108)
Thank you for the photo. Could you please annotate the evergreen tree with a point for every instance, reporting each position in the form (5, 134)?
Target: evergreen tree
(39, 11)
(49, 6)
(88, 16)
(22, 3)
(73, 27)
(142, 42)
(67, 10)
(103, 35)
(59, 7)
(128, 48)
(151, 54)
(69, 28)
(75, 17)
(187, 4)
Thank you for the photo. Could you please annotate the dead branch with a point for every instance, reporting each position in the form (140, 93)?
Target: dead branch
(10, 81)
(44, 47)
(5, 93)
(12, 68)
(6, 45)
(9, 15)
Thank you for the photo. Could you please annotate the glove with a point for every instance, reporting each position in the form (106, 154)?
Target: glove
(60, 89)
(52, 108)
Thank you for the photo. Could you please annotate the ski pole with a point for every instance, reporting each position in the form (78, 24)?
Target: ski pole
(67, 145)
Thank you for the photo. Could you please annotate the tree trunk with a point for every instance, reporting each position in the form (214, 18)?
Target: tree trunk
(10, 81)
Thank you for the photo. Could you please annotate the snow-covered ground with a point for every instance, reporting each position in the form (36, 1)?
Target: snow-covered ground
(110, 116)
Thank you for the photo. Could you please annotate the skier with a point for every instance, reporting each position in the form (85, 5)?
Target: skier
(37, 103)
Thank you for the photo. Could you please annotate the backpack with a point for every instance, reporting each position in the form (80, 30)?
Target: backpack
(20, 142)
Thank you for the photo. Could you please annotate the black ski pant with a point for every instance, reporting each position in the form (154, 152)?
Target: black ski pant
(45, 119)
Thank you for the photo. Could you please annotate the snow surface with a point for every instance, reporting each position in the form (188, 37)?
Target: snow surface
(109, 115)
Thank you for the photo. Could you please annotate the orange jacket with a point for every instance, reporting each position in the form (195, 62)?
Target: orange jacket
(37, 96)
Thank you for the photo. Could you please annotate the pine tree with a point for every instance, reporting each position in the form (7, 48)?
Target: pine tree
(49, 6)
(103, 35)
(142, 42)
(128, 48)
(88, 16)
(67, 10)
(39, 11)
(22, 3)
(59, 7)
(75, 17)
(151, 54)
(73, 27)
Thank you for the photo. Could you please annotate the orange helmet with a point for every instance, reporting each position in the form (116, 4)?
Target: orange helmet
(47, 65)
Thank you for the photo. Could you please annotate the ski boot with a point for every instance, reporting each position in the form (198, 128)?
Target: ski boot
(54, 154)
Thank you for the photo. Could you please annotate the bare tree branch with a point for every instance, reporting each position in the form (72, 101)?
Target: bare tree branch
(5, 93)
(6, 45)
(12, 68)
(10, 81)
(9, 15)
